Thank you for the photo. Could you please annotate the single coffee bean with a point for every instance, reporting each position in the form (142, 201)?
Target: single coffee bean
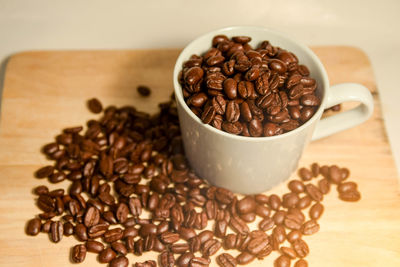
(301, 248)
(351, 196)
(266, 224)
(316, 211)
(301, 263)
(245, 258)
(230, 241)
(296, 186)
(324, 186)
(56, 231)
(186, 233)
(290, 252)
(120, 261)
(293, 222)
(184, 259)
(68, 229)
(199, 262)
(280, 233)
(274, 202)
(44, 172)
(210, 247)
(305, 174)
(290, 200)
(179, 248)
(346, 187)
(304, 202)
(119, 247)
(169, 238)
(314, 192)
(279, 217)
(282, 261)
(33, 226)
(246, 205)
(166, 259)
(143, 90)
(78, 253)
(92, 216)
(107, 255)
(113, 235)
(294, 235)
(94, 246)
(256, 245)
(95, 105)
(310, 227)
(226, 260)
(335, 175)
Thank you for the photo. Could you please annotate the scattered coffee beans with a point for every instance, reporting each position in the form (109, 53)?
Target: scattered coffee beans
(247, 91)
(128, 163)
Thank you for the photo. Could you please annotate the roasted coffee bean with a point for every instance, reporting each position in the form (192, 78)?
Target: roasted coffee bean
(293, 222)
(210, 247)
(262, 211)
(255, 127)
(169, 238)
(95, 105)
(143, 90)
(306, 113)
(238, 225)
(294, 235)
(282, 261)
(335, 175)
(92, 217)
(46, 203)
(290, 200)
(245, 258)
(107, 255)
(271, 129)
(120, 261)
(305, 174)
(324, 186)
(301, 263)
(296, 186)
(246, 205)
(304, 202)
(119, 247)
(351, 196)
(316, 211)
(56, 231)
(226, 260)
(280, 233)
(46, 226)
(274, 202)
(310, 227)
(266, 224)
(220, 228)
(148, 263)
(232, 112)
(94, 246)
(184, 259)
(41, 190)
(81, 232)
(233, 128)
(279, 217)
(199, 262)
(261, 199)
(44, 172)
(179, 248)
(310, 100)
(33, 226)
(314, 192)
(301, 248)
(248, 217)
(78, 253)
(68, 229)
(256, 245)
(166, 259)
(135, 206)
(290, 252)
(230, 241)
(208, 115)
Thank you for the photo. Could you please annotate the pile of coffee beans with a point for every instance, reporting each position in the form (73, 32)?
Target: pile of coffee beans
(131, 191)
(250, 92)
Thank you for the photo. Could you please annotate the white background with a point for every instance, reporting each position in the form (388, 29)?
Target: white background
(371, 25)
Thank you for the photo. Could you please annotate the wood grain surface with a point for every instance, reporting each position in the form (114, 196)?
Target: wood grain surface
(45, 92)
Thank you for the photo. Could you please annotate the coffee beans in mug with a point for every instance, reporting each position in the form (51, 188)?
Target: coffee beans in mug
(132, 190)
(262, 91)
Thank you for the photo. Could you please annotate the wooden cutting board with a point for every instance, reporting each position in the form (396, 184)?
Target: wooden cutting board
(45, 92)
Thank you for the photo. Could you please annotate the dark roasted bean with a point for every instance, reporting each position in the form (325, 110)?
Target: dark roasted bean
(94, 246)
(95, 105)
(120, 261)
(56, 231)
(33, 226)
(301, 248)
(282, 261)
(245, 258)
(78, 253)
(166, 259)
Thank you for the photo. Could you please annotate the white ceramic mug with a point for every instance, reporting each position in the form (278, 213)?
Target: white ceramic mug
(255, 164)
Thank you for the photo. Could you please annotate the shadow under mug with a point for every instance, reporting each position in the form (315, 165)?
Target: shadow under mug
(252, 165)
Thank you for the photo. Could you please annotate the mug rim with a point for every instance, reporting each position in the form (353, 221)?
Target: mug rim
(179, 95)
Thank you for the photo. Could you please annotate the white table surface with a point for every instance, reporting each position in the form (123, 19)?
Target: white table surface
(102, 24)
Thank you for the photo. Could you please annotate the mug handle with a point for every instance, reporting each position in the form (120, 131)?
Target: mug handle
(340, 93)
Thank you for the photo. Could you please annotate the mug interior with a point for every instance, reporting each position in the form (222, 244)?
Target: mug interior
(258, 34)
